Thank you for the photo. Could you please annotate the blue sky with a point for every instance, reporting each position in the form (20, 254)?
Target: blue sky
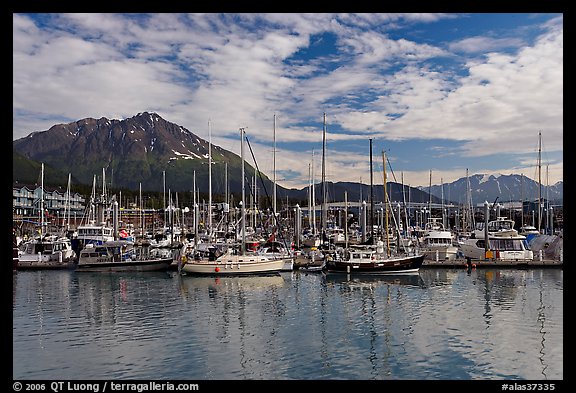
(437, 92)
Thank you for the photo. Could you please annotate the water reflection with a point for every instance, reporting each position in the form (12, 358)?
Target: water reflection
(438, 324)
(371, 280)
(14, 286)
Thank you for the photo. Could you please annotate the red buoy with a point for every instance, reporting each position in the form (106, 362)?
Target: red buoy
(216, 269)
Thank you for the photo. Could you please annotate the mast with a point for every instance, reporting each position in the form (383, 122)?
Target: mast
(243, 209)
(429, 199)
(226, 196)
(92, 215)
(442, 202)
(313, 198)
(386, 205)
(274, 169)
(404, 202)
(104, 200)
(309, 197)
(324, 206)
(346, 218)
(68, 203)
(522, 199)
(164, 197)
(469, 224)
(539, 180)
(141, 214)
(209, 181)
(547, 200)
(170, 217)
(371, 197)
(195, 203)
(42, 201)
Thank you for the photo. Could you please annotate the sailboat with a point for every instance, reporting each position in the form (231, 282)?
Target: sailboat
(374, 258)
(46, 251)
(95, 230)
(233, 261)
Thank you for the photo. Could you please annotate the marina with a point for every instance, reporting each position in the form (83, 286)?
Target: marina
(287, 197)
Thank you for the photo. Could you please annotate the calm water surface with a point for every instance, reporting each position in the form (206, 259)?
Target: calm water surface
(439, 324)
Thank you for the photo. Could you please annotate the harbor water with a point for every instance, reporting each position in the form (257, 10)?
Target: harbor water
(439, 324)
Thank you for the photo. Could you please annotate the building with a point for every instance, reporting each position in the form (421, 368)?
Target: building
(26, 205)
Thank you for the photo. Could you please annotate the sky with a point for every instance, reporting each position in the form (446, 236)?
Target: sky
(442, 95)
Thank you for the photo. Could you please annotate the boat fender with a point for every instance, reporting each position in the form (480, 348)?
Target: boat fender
(216, 269)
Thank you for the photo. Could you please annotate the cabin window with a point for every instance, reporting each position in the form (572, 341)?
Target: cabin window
(506, 244)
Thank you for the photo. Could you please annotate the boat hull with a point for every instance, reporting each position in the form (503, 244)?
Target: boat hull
(441, 253)
(234, 267)
(126, 266)
(473, 249)
(395, 265)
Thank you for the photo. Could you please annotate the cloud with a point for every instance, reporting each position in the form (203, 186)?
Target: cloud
(481, 44)
(490, 94)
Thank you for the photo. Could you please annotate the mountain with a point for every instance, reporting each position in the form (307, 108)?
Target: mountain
(134, 151)
(145, 148)
(28, 172)
(361, 192)
(504, 187)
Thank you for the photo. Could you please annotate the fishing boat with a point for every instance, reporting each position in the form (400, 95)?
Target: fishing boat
(121, 256)
(375, 258)
(92, 233)
(372, 260)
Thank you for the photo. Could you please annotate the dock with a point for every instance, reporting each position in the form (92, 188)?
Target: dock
(462, 262)
(51, 265)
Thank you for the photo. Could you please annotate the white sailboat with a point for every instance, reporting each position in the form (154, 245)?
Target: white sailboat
(233, 262)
